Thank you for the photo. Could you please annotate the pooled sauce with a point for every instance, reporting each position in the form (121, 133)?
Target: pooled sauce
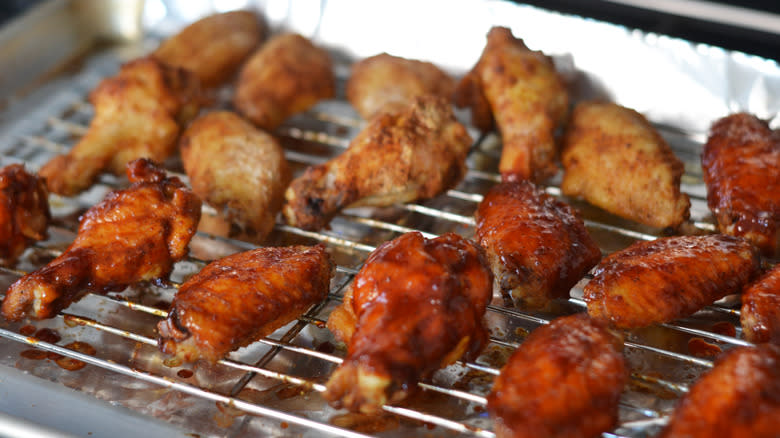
(724, 328)
(27, 330)
(70, 364)
(33, 354)
(700, 348)
(366, 423)
(185, 374)
(47, 335)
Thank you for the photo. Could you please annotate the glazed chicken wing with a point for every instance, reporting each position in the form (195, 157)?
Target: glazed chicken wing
(521, 90)
(24, 211)
(616, 160)
(760, 315)
(138, 114)
(389, 83)
(287, 75)
(668, 278)
(739, 397)
(237, 300)
(416, 305)
(563, 381)
(536, 245)
(133, 235)
(413, 154)
(741, 163)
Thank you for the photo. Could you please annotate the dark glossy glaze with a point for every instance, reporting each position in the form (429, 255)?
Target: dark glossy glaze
(760, 315)
(24, 211)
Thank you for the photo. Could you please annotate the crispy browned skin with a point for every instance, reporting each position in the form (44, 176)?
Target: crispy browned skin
(138, 114)
(563, 381)
(760, 315)
(416, 305)
(236, 168)
(668, 278)
(523, 92)
(400, 157)
(536, 245)
(237, 300)
(24, 211)
(741, 163)
(133, 235)
(614, 158)
(739, 397)
(287, 75)
(388, 83)
(213, 47)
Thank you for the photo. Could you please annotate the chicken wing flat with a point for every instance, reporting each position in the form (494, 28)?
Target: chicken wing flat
(521, 92)
(388, 83)
(760, 315)
(668, 278)
(237, 300)
(416, 305)
(138, 114)
(287, 75)
(417, 153)
(741, 163)
(24, 211)
(582, 360)
(536, 245)
(214, 47)
(133, 235)
(739, 397)
(236, 168)
(614, 158)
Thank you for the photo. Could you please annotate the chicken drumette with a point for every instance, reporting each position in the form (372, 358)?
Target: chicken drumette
(760, 315)
(133, 235)
(24, 211)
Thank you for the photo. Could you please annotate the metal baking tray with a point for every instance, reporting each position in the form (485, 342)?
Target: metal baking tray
(54, 55)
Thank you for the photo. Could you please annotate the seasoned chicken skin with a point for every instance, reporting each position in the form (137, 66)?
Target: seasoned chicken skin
(236, 168)
(741, 163)
(563, 381)
(614, 158)
(416, 305)
(521, 90)
(138, 114)
(237, 300)
(760, 315)
(388, 83)
(668, 278)
(287, 75)
(214, 47)
(24, 211)
(739, 397)
(133, 235)
(536, 245)
(413, 154)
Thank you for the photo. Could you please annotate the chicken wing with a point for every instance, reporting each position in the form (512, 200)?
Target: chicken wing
(741, 163)
(133, 235)
(138, 114)
(286, 76)
(24, 211)
(668, 278)
(536, 245)
(416, 305)
(760, 315)
(237, 300)
(582, 360)
(214, 47)
(388, 83)
(413, 154)
(521, 90)
(616, 160)
(739, 397)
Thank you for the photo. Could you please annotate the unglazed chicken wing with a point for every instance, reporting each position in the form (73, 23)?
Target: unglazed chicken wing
(133, 235)
(520, 89)
(287, 75)
(616, 160)
(24, 211)
(138, 114)
(389, 83)
(739, 397)
(236, 168)
(563, 381)
(741, 163)
(536, 245)
(400, 157)
(668, 278)
(237, 300)
(416, 305)
(760, 315)
(214, 47)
